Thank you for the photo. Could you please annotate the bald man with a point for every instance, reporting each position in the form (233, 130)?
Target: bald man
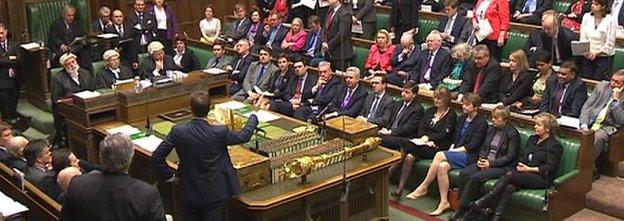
(540, 41)
(15, 148)
(433, 64)
(64, 178)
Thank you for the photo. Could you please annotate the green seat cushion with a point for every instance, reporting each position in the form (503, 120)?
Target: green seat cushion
(204, 55)
(97, 67)
(618, 60)
(515, 42)
(532, 199)
(41, 15)
(562, 6)
(383, 21)
(359, 60)
(426, 26)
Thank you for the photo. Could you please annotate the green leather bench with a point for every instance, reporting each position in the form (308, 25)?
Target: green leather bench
(383, 21)
(515, 42)
(204, 55)
(561, 6)
(618, 60)
(41, 15)
(359, 58)
(97, 67)
(426, 26)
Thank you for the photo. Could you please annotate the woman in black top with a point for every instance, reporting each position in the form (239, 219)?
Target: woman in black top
(516, 84)
(434, 132)
(279, 82)
(536, 168)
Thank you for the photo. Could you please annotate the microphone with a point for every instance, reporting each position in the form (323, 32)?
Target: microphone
(260, 130)
(324, 111)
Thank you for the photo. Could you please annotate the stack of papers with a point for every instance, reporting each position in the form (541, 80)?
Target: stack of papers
(214, 71)
(149, 143)
(230, 105)
(87, 94)
(125, 129)
(10, 207)
(264, 116)
(569, 122)
(30, 46)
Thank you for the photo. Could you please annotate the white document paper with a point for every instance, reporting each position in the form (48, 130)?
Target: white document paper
(264, 116)
(357, 28)
(108, 35)
(485, 29)
(579, 48)
(488, 106)
(30, 46)
(418, 141)
(214, 71)
(323, 3)
(307, 3)
(9, 206)
(426, 8)
(125, 129)
(230, 105)
(260, 92)
(87, 94)
(569, 122)
(149, 143)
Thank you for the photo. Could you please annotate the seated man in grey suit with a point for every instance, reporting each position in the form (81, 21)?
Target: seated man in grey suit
(113, 71)
(38, 156)
(258, 74)
(602, 112)
(219, 60)
(241, 25)
(377, 101)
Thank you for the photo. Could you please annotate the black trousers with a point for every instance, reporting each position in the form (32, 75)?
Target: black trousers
(495, 50)
(60, 127)
(204, 212)
(161, 36)
(598, 69)
(514, 181)
(8, 101)
(472, 178)
(418, 151)
(282, 107)
(392, 141)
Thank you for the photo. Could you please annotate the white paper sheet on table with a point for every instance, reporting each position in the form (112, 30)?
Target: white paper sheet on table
(230, 105)
(214, 71)
(418, 141)
(107, 35)
(569, 122)
(87, 94)
(264, 116)
(125, 129)
(9, 206)
(30, 46)
(149, 143)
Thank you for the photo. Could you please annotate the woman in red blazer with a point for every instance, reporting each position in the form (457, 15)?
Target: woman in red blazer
(380, 54)
(496, 12)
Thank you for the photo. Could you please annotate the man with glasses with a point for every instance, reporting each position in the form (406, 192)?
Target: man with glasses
(298, 91)
(376, 102)
(273, 33)
(258, 75)
(350, 97)
(219, 60)
(566, 93)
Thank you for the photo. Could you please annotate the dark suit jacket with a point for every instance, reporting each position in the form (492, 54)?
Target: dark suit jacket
(409, 121)
(223, 62)
(310, 81)
(326, 95)
(354, 107)
(59, 34)
(7, 82)
(237, 31)
(507, 152)
(573, 99)
(384, 102)
(62, 85)
(106, 77)
(129, 46)
(149, 65)
(489, 86)
(206, 171)
(262, 38)
(147, 24)
(281, 91)
(512, 91)
(119, 197)
(97, 28)
(540, 7)
(36, 176)
(545, 155)
(540, 42)
(338, 34)
(440, 69)
(458, 26)
(189, 62)
(441, 133)
(404, 16)
(243, 65)
(406, 64)
(472, 138)
(15, 162)
(317, 46)
(365, 11)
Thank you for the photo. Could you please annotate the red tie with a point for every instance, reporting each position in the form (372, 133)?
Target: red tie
(298, 88)
(328, 22)
(478, 82)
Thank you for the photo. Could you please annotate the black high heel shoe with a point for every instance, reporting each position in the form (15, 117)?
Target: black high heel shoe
(396, 196)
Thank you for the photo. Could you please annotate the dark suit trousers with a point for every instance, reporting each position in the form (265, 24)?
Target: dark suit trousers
(392, 142)
(282, 107)
(204, 212)
(472, 178)
(420, 152)
(395, 79)
(8, 101)
(534, 19)
(340, 64)
(492, 46)
(598, 69)
(514, 181)
(368, 30)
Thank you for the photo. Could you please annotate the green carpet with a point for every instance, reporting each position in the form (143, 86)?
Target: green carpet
(40, 120)
(422, 206)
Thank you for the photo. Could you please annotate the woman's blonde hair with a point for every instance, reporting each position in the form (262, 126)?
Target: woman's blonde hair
(444, 94)
(521, 60)
(461, 52)
(548, 120)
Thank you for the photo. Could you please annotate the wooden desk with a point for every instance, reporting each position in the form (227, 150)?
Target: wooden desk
(37, 76)
(40, 206)
(82, 115)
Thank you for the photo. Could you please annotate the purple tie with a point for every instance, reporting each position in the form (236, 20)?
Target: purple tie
(347, 99)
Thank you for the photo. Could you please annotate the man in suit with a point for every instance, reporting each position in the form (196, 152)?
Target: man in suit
(324, 92)
(158, 63)
(337, 40)
(272, 36)
(259, 74)
(219, 60)
(113, 71)
(482, 76)
(9, 85)
(376, 102)
(451, 25)
(38, 159)
(15, 149)
(128, 47)
(603, 102)
(434, 64)
(364, 13)
(70, 80)
(312, 51)
(565, 93)
(103, 22)
(143, 26)
(119, 196)
(62, 34)
(404, 17)
(6, 133)
(241, 26)
(400, 120)
(350, 97)
(541, 41)
(207, 176)
(240, 65)
(404, 60)
(530, 11)
(298, 91)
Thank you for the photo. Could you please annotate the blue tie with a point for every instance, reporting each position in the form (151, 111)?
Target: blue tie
(259, 78)
(529, 7)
